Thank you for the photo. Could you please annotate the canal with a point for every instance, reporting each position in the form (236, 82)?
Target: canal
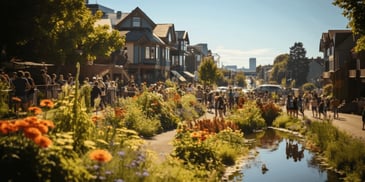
(281, 157)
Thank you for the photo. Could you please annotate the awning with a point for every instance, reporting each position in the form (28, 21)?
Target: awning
(189, 74)
(181, 78)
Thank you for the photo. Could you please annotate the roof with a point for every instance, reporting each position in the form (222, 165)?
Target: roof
(162, 30)
(136, 35)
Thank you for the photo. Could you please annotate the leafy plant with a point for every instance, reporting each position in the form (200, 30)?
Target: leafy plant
(249, 118)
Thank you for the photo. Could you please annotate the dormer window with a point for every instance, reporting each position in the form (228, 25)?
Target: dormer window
(136, 22)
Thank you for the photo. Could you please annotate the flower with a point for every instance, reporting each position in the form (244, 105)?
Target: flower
(32, 132)
(8, 127)
(100, 155)
(35, 110)
(47, 103)
(42, 141)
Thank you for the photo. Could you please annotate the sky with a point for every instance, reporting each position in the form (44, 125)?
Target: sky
(237, 30)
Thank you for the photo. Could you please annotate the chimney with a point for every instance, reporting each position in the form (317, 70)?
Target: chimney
(119, 14)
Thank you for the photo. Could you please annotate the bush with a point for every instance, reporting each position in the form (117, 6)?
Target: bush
(270, 111)
(249, 118)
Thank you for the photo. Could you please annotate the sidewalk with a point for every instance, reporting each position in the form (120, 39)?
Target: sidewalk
(349, 123)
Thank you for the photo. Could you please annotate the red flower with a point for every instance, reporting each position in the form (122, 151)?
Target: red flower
(100, 155)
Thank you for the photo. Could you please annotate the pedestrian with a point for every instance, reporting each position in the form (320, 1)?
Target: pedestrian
(21, 86)
(95, 93)
(219, 105)
(363, 118)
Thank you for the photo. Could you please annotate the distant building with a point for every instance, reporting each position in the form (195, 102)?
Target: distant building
(252, 64)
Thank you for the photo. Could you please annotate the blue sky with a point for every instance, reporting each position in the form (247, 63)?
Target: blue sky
(240, 29)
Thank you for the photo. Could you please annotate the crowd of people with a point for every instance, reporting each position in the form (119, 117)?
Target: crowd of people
(22, 85)
(319, 105)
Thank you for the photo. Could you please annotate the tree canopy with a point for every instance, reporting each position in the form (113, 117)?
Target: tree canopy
(208, 71)
(298, 65)
(52, 31)
(354, 10)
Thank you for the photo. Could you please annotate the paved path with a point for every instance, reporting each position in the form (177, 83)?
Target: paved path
(349, 123)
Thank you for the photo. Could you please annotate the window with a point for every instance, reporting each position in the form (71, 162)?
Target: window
(136, 22)
(150, 53)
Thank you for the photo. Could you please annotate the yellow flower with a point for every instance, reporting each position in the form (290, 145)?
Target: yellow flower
(100, 155)
(47, 103)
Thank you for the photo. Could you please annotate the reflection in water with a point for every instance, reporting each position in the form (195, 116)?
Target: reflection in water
(292, 151)
(282, 157)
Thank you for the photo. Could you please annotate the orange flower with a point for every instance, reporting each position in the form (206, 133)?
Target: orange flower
(195, 135)
(32, 132)
(100, 155)
(16, 99)
(35, 110)
(8, 127)
(31, 120)
(95, 118)
(41, 127)
(22, 124)
(47, 123)
(42, 141)
(47, 103)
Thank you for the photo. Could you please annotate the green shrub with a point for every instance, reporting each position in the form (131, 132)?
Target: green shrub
(136, 119)
(249, 118)
(154, 106)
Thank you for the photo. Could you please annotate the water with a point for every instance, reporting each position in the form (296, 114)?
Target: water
(286, 160)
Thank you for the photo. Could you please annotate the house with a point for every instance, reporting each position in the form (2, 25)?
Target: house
(343, 68)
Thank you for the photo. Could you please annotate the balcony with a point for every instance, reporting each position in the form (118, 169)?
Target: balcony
(352, 73)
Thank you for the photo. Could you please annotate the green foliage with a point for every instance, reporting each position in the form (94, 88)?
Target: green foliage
(298, 64)
(193, 149)
(229, 145)
(4, 99)
(354, 10)
(288, 122)
(62, 26)
(249, 118)
(188, 112)
(208, 71)
(137, 120)
(154, 106)
(72, 116)
(279, 71)
(342, 151)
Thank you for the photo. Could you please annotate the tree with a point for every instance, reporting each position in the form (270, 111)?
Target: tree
(241, 79)
(279, 70)
(298, 64)
(354, 10)
(208, 71)
(49, 30)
